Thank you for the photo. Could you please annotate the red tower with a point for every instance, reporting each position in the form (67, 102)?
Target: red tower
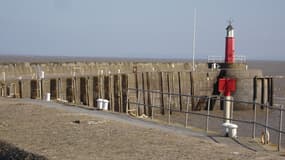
(230, 45)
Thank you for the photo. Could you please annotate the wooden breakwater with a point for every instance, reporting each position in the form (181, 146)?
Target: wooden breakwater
(85, 82)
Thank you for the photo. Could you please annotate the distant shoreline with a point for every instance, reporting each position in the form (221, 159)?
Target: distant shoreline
(6, 59)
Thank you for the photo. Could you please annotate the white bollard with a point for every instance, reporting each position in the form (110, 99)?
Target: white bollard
(105, 104)
(100, 103)
(233, 130)
(48, 97)
(226, 131)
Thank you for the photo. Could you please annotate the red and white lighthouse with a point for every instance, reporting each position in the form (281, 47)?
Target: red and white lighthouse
(230, 45)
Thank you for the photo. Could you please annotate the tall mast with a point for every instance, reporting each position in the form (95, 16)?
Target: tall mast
(194, 41)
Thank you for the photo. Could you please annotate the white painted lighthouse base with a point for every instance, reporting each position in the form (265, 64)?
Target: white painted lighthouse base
(230, 130)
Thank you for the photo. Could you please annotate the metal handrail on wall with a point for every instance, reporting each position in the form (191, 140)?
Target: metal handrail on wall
(208, 99)
(220, 59)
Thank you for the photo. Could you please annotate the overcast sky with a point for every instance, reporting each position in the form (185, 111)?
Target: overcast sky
(141, 28)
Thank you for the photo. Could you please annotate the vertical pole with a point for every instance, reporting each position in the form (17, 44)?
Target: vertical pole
(110, 90)
(143, 96)
(169, 97)
(272, 92)
(169, 106)
(161, 95)
(254, 119)
(137, 89)
(120, 93)
(152, 104)
(232, 109)
(208, 113)
(127, 106)
(21, 88)
(254, 89)
(172, 89)
(138, 103)
(101, 85)
(39, 89)
(227, 109)
(266, 120)
(59, 89)
(262, 93)
(15, 89)
(112, 99)
(187, 110)
(227, 112)
(280, 128)
(148, 93)
(179, 85)
(87, 90)
(192, 90)
(194, 40)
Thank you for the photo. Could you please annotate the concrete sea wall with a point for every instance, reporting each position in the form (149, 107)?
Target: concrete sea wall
(85, 82)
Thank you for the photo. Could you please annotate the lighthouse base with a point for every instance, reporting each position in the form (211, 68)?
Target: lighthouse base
(244, 83)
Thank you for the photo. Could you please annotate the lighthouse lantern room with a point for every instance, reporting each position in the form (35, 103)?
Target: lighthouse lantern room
(230, 45)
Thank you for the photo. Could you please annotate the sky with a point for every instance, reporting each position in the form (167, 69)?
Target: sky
(141, 28)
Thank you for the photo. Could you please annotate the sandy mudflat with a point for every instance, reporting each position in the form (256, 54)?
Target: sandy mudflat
(52, 133)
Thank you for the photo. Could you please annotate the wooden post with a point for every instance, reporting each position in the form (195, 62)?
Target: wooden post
(169, 98)
(96, 90)
(262, 93)
(254, 88)
(143, 95)
(73, 89)
(139, 112)
(60, 88)
(87, 90)
(148, 94)
(120, 93)
(21, 88)
(270, 91)
(101, 86)
(90, 92)
(124, 92)
(116, 94)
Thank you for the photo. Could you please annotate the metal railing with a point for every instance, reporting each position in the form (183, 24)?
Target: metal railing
(161, 104)
(221, 59)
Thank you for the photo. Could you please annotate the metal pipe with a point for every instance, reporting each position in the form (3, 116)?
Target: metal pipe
(169, 103)
(208, 113)
(187, 110)
(153, 104)
(232, 108)
(138, 101)
(227, 109)
(266, 119)
(280, 129)
(254, 120)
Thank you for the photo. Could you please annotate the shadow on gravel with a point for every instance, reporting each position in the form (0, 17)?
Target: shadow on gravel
(10, 152)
